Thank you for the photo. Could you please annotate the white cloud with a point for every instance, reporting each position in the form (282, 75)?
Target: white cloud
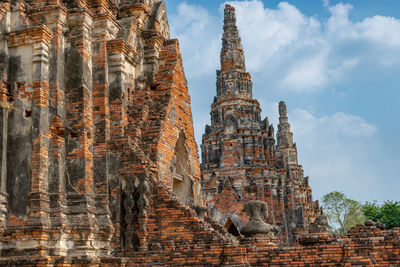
(294, 52)
(339, 17)
(350, 125)
(383, 31)
(266, 32)
(338, 124)
(306, 75)
(306, 54)
(198, 38)
(333, 151)
(325, 3)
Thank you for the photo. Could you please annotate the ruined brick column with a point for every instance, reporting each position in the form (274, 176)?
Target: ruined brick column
(105, 28)
(39, 202)
(36, 41)
(5, 107)
(240, 161)
(80, 131)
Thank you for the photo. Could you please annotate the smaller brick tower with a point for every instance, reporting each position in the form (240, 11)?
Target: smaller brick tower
(286, 149)
(240, 161)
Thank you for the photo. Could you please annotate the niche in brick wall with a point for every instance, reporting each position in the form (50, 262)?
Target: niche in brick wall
(231, 227)
(182, 183)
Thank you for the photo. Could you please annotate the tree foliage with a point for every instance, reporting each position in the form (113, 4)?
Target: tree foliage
(342, 212)
(388, 213)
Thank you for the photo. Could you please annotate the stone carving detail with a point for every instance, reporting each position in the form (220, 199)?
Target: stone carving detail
(258, 212)
(173, 170)
(320, 225)
(144, 191)
(136, 194)
(371, 223)
(380, 225)
(182, 180)
(131, 215)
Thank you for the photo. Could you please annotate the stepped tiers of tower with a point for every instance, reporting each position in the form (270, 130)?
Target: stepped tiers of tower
(241, 160)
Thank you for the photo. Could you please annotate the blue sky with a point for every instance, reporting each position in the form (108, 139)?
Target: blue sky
(337, 66)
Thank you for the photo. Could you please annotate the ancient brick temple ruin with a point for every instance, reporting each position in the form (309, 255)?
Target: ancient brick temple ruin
(241, 160)
(94, 108)
(99, 166)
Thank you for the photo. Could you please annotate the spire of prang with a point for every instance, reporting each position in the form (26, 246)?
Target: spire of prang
(232, 81)
(232, 55)
(284, 135)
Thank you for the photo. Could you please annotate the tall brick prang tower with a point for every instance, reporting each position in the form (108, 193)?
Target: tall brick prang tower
(240, 160)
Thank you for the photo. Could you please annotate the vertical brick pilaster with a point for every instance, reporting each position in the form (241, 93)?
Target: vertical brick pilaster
(116, 50)
(104, 28)
(80, 135)
(4, 110)
(118, 99)
(39, 203)
(79, 108)
(57, 164)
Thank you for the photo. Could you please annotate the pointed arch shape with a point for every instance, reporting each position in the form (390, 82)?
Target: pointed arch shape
(182, 181)
(231, 227)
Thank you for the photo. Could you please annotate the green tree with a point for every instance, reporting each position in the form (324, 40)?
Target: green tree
(388, 213)
(342, 212)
